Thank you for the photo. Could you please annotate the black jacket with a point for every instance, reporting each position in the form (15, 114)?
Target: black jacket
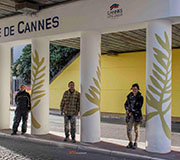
(23, 101)
(134, 104)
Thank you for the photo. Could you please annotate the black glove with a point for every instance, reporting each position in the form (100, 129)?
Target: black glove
(128, 118)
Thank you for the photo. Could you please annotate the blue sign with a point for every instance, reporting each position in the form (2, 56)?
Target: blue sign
(114, 11)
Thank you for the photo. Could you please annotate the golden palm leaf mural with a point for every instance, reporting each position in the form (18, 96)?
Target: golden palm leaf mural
(37, 83)
(161, 84)
(95, 91)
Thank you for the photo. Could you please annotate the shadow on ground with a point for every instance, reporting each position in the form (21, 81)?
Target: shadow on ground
(53, 138)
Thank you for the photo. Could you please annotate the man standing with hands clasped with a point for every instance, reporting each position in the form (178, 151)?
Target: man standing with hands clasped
(23, 106)
(70, 107)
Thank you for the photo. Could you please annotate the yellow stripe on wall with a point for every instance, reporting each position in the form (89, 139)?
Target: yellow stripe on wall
(118, 74)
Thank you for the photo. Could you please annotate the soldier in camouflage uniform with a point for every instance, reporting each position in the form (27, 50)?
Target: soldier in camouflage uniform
(70, 106)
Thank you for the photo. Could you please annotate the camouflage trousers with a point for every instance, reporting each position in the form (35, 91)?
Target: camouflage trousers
(130, 125)
(18, 116)
(72, 121)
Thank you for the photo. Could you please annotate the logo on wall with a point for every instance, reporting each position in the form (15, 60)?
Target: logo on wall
(114, 11)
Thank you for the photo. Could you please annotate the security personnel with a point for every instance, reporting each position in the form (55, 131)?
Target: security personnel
(23, 106)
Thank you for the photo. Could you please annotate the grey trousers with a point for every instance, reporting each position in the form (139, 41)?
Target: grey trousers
(72, 121)
(18, 116)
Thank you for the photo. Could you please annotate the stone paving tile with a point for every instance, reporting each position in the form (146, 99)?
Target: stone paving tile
(6, 154)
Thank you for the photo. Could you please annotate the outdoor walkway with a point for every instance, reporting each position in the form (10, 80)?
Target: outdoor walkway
(113, 140)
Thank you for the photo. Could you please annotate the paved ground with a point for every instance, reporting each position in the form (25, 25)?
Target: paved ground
(113, 142)
(108, 129)
(23, 149)
(111, 129)
(51, 146)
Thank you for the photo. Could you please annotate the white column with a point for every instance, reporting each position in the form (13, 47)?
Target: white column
(40, 86)
(158, 87)
(90, 72)
(5, 59)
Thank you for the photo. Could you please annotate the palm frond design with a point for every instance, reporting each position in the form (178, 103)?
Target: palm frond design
(161, 84)
(95, 91)
(37, 83)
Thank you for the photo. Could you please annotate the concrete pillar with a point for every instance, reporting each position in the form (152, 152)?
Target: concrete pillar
(90, 80)
(5, 74)
(40, 86)
(158, 87)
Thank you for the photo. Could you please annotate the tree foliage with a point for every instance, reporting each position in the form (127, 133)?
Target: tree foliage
(59, 57)
(22, 67)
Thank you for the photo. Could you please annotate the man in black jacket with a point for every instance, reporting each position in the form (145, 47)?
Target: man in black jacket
(23, 106)
(133, 107)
